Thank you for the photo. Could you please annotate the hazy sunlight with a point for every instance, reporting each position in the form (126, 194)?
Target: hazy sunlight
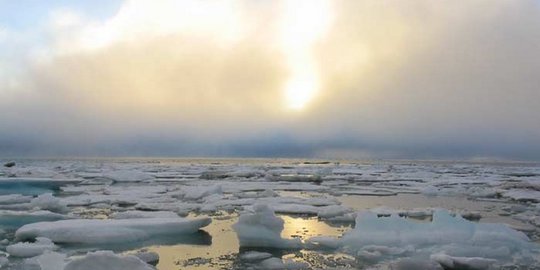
(303, 23)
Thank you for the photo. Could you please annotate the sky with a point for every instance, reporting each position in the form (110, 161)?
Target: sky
(259, 78)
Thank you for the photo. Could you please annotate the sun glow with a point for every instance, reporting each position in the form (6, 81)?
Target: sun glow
(303, 23)
(300, 90)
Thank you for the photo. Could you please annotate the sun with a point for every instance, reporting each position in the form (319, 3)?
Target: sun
(303, 23)
(299, 91)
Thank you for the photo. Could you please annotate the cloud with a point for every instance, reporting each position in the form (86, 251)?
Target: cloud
(415, 79)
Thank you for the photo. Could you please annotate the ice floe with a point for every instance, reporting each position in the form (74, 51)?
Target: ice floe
(26, 249)
(128, 176)
(87, 231)
(15, 219)
(47, 201)
(107, 260)
(454, 240)
(14, 199)
(144, 214)
(255, 256)
(46, 261)
(262, 229)
(199, 192)
(523, 195)
(279, 264)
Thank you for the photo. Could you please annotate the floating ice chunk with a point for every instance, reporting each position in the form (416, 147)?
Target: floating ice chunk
(291, 208)
(14, 198)
(454, 235)
(107, 260)
(323, 242)
(522, 174)
(523, 195)
(430, 191)
(51, 261)
(92, 231)
(182, 209)
(332, 211)
(450, 262)
(318, 201)
(27, 249)
(213, 175)
(151, 258)
(295, 178)
(3, 261)
(198, 192)
(86, 200)
(366, 191)
(278, 264)
(347, 218)
(15, 219)
(48, 202)
(271, 193)
(213, 198)
(535, 221)
(128, 176)
(483, 192)
(374, 252)
(255, 256)
(237, 186)
(445, 229)
(262, 229)
(415, 264)
(144, 214)
(76, 190)
(416, 212)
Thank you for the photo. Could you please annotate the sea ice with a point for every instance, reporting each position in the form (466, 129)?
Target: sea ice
(450, 262)
(51, 261)
(14, 198)
(128, 176)
(151, 258)
(47, 201)
(262, 229)
(144, 214)
(107, 260)
(255, 256)
(194, 193)
(377, 238)
(523, 195)
(3, 261)
(93, 231)
(26, 249)
(295, 178)
(15, 219)
(278, 264)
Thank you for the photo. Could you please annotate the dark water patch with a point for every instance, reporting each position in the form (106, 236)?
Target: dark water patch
(15, 221)
(32, 187)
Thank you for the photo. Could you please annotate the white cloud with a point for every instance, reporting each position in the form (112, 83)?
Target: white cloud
(3, 34)
(393, 77)
(141, 20)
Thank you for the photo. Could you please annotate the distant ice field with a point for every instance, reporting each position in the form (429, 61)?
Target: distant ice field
(169, 214)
